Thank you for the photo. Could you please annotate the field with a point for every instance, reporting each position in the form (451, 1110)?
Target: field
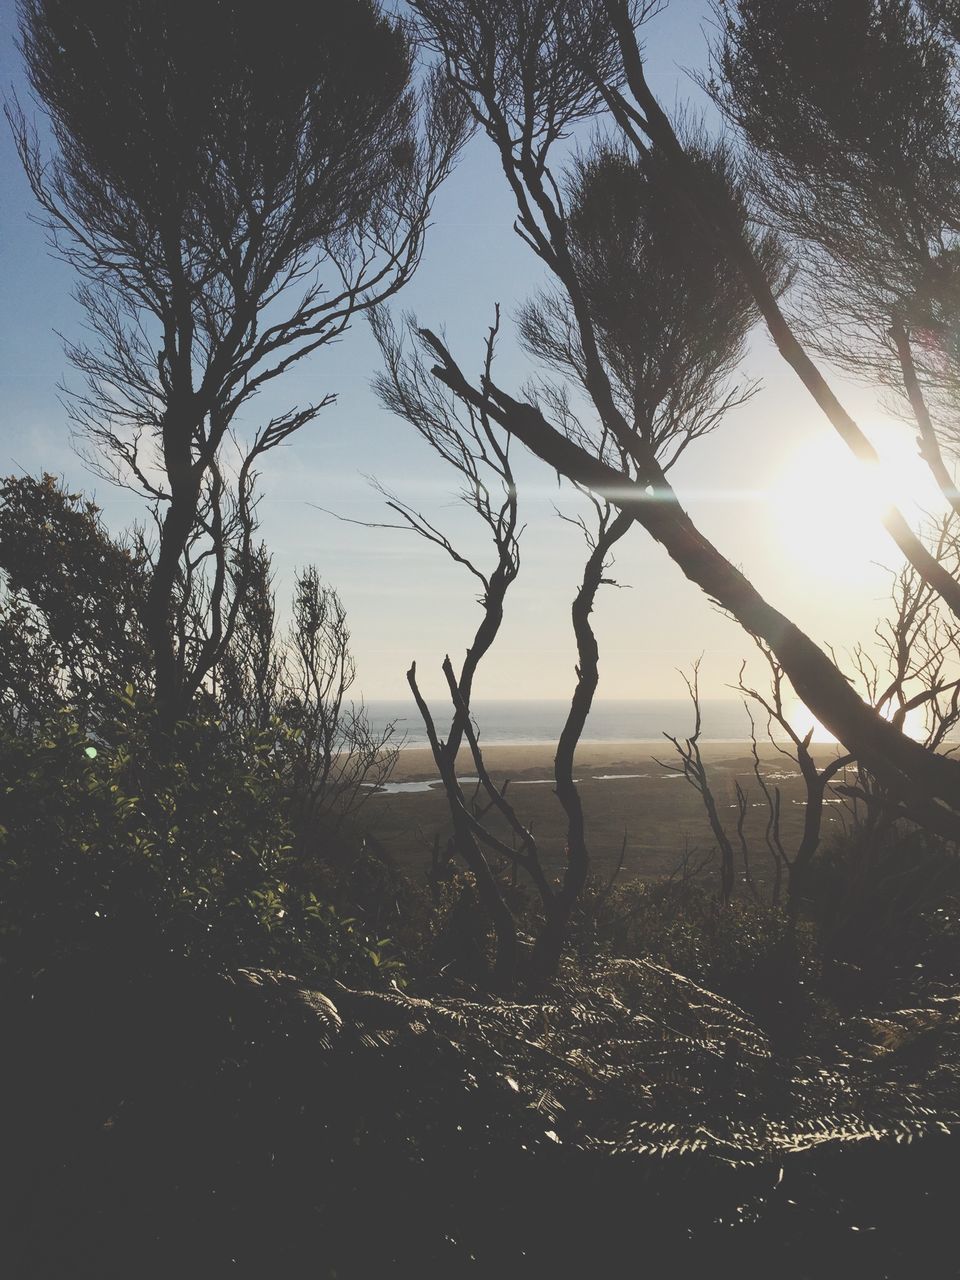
(626, 795)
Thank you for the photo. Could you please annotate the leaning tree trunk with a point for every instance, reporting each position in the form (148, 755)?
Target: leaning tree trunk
(920, 778)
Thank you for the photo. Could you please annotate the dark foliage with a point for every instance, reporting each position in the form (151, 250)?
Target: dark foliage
(849, 101)
(69, 612)
(113, 850)
(851, 116)
(225, 104)
(885, 903)
(69, 618)
(582, 1132)
(670, 312)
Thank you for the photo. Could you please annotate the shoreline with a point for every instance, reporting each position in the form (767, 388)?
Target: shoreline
(415, 763)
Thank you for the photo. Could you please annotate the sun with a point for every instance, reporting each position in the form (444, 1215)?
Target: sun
(827, 511)
(828, 508)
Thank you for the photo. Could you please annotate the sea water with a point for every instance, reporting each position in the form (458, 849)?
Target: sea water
(532, 722)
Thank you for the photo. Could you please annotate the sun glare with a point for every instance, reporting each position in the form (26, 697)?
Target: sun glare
(828, 507)
(828, 510)
(802, 721)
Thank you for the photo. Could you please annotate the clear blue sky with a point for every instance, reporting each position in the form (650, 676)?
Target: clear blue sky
(404, 600)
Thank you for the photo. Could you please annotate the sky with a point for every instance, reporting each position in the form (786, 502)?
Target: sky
(770, 487)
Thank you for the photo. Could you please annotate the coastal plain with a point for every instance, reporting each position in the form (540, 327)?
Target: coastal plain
(631, 804)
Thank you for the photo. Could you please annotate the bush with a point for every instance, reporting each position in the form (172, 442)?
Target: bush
(143, 848)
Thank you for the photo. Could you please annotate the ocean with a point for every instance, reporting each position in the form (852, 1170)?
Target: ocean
(532, 722)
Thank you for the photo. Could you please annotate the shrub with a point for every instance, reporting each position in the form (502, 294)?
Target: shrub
(885, 903)
(142, 848)
(749, 952)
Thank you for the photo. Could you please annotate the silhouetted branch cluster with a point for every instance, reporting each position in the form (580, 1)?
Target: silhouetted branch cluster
(475, 446)
(231, 194)
(850, 114)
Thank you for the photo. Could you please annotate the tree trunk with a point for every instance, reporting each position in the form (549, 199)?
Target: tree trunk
(549, 945)
(158, 608)
(504, 926)
(918, 776)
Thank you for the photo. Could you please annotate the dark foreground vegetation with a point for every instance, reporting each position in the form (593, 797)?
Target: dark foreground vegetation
(207, 1072)
(238, 1038)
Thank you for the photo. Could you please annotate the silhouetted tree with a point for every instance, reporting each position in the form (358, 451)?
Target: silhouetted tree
(336, 756)
(291, 686)
(648, 323)
(717, 215)
(851, 116)
(479, 451)
(547, 51)
(695, 773)
(668, 313)
(789, 741)
(232, 188)
(474, 448)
